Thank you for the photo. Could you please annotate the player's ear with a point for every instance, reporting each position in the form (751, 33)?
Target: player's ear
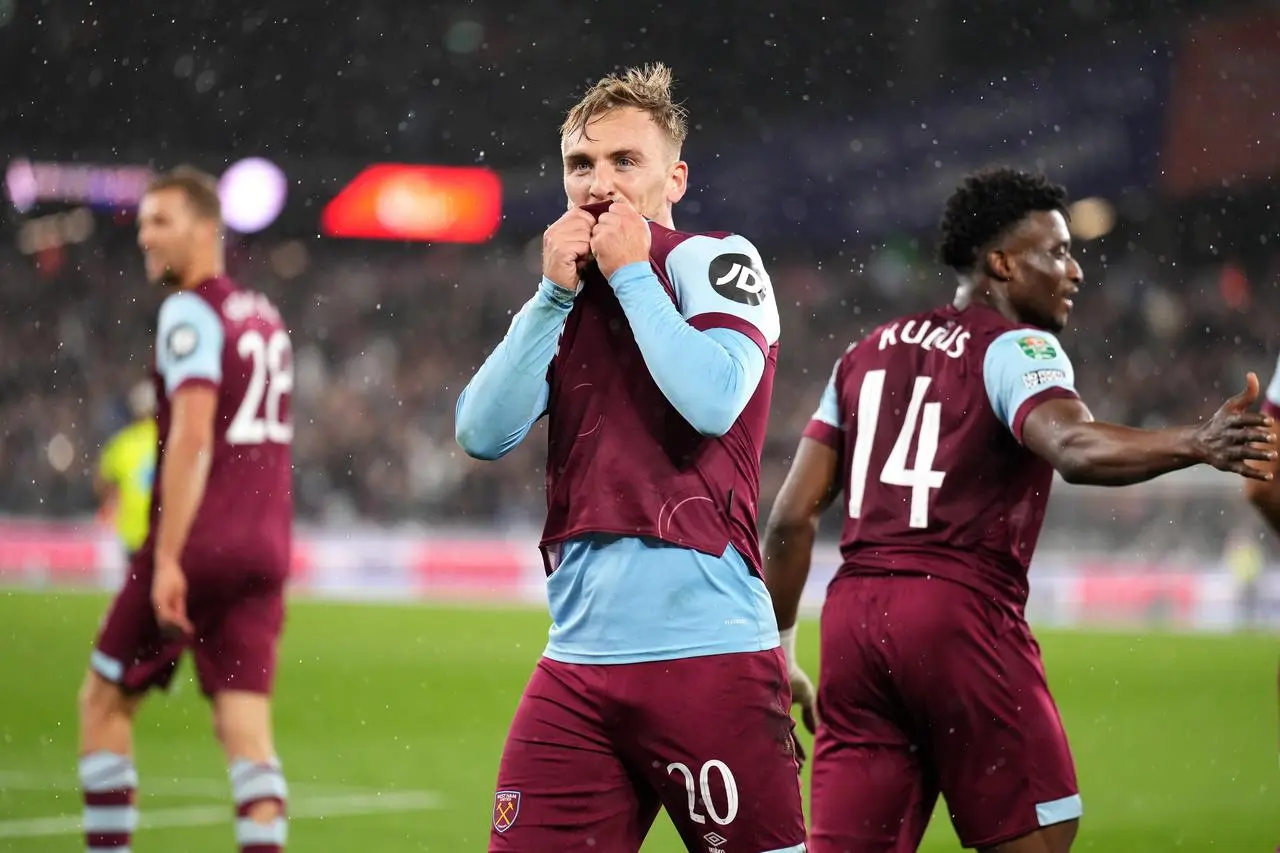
(998, 265)
(209, 226)
(677, 182)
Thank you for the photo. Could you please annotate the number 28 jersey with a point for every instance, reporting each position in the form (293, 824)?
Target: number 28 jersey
(926, 414)
(233, 341)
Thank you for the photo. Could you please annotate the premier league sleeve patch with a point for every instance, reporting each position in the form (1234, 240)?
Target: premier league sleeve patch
(506, 808)
(182, 341)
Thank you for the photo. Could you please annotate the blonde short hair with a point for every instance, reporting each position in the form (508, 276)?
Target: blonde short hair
(647, 89)
(200, 189)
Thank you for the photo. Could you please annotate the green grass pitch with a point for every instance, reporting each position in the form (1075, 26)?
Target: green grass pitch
(390, 720)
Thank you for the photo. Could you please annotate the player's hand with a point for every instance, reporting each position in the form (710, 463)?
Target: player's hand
(804, 695)
(566, 248)
(169, 598)
(621, 237)
(1235, 435)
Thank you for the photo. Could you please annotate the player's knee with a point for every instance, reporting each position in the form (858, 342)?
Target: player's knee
(239, 737)
(242, 725)
(100, 702)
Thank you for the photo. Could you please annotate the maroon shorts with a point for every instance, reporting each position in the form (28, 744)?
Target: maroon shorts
(594, 751)
(928, 687)
(237, 628)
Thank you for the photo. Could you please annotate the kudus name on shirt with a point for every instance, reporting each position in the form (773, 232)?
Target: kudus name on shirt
(948, 340)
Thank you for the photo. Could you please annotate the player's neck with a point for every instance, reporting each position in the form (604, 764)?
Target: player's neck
(199, 274)
(979, 292)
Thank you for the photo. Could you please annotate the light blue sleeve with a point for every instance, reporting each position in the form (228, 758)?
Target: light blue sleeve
(708, 376)
(1020, 364)
(189, 339)
(722, 282)
(829, 404)
(510, 391)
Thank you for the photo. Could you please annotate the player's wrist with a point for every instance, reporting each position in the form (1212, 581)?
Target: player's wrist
(167, 558)
(556, 294)
(630, 272)
(1195, 450)
(787, 640)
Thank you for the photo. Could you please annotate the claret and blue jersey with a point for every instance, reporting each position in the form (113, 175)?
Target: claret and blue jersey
(233, 341)
(657, 380)
(927, 413)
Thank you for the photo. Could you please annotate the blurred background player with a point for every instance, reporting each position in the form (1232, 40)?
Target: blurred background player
(652, 352)
(1264, 495)
(943, 431)
(210, 575)
(127, 468)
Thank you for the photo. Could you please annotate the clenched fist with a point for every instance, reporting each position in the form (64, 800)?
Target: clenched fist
(621, 237)
(566, 248)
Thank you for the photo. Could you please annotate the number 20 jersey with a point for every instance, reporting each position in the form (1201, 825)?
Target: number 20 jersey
(234, 341)
(926, 414)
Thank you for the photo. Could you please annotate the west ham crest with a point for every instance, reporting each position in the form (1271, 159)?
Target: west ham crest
(506, 807)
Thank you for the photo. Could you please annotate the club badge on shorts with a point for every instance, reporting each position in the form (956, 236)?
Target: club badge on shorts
(506, 807)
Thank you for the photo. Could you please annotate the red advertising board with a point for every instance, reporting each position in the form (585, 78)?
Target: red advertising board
(443, 204)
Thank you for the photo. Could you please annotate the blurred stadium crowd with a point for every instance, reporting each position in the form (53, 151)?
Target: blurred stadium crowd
(854, 129)
(386, 338)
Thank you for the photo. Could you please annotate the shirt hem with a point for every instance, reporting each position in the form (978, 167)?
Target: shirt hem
(614, 659)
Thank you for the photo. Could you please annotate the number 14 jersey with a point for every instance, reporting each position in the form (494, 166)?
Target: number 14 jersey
(235, 342)
(926, 413)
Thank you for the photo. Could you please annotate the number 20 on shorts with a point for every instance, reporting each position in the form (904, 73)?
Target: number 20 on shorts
(702, 787)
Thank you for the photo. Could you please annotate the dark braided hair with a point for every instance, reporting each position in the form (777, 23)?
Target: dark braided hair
(987, 204)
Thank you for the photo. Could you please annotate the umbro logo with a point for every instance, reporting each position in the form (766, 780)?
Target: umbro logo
(715, 842)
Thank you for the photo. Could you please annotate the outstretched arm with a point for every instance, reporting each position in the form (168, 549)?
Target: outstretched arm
(1090, 452)
(510, 391)
(1030, 383)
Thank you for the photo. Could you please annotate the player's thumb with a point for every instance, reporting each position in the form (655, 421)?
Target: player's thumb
(1249, 395)
(809, 716)
(180, 613)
